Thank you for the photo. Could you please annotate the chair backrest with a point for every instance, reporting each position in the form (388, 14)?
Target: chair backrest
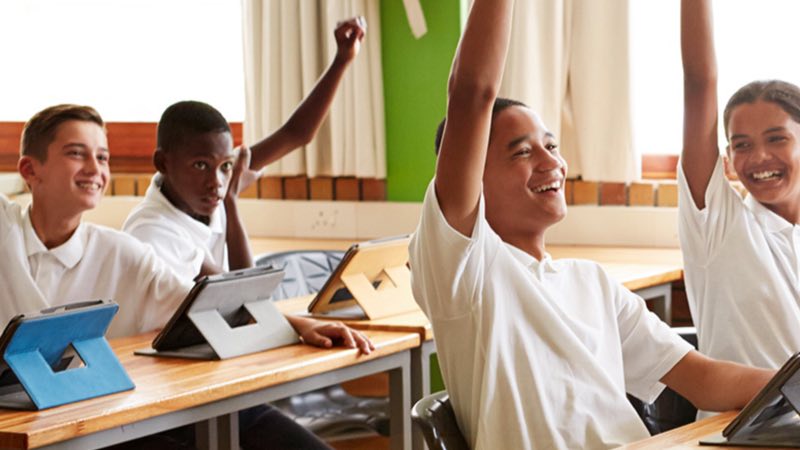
(670, 410)
(434, 417)
(306, 270)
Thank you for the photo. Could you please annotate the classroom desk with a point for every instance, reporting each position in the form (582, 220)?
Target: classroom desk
(688, 436)
(175, 392)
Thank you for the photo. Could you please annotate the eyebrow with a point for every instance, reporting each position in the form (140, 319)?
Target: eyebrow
(83, 146)
(525, 137)
(774, 129)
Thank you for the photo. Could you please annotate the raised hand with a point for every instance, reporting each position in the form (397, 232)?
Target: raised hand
(349, 34)
(242, 176)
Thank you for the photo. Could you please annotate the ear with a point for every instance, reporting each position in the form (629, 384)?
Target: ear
(27, 168)
(159, 160)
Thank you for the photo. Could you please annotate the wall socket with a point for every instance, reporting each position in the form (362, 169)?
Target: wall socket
(325, 219)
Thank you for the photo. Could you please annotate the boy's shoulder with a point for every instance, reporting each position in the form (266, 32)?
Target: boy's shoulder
(112, 241)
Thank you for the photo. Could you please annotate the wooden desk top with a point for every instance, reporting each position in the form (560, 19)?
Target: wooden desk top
(165, 385)
(636, 268)
(687, 436)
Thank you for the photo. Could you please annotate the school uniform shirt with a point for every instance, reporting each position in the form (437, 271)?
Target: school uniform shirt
(535, 354)
(94, 263)
(180, 240)
(741, 272)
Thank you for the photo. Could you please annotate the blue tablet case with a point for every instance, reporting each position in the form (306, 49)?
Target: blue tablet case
(34, 346)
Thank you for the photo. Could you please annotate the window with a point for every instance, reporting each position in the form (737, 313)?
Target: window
(130, 59)
(754, 40)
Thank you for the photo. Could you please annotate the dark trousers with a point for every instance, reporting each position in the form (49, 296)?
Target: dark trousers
(260, 427)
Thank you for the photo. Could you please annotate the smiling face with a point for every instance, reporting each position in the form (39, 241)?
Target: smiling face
(523, 181)
(765, 152)
(75, 173)
(197, 172)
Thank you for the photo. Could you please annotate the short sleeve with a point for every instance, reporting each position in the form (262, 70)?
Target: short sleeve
(447, 267)
(649, 347)
(702, 231)
(172, 246)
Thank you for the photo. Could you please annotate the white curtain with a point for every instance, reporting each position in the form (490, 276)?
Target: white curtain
(568, 60)
(288, 44)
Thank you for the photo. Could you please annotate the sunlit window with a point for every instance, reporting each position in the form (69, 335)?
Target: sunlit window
(754, 40)
(130, 59)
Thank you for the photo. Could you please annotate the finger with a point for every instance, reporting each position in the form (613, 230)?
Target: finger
(317, 340)
(363, 343)
(346, 334)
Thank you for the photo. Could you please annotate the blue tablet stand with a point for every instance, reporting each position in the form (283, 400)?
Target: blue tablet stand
(41, 342)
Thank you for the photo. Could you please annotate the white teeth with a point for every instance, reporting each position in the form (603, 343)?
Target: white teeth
(89, 186)
(766, 174)
(554, 185)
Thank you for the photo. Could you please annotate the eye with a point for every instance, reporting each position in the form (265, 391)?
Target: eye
(776, 138)
(551, 147)
(103, 157)
(740, 145)
(226, 166)
(200, 165)
(522, 152)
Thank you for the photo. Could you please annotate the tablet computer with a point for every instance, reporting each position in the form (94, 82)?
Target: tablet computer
(371, 281)
(40, 349)
(772, 417)
(226, 315)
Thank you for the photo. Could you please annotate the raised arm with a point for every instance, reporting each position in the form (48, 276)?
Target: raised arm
(474, 82)
(700, 147)
(305, 121)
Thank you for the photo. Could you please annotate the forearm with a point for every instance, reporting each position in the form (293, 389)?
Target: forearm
(239, 255)
(303, 125)
(714, 385)
(697, 43)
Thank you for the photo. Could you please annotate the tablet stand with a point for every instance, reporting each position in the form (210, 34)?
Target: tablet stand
(40, 343)
(268, 330)
(392, 296)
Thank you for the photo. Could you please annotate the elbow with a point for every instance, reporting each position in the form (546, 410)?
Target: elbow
(472, 95)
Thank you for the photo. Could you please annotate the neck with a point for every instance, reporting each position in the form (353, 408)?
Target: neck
(174, 199)
(791, 213)
(530, 244)
(52, 228)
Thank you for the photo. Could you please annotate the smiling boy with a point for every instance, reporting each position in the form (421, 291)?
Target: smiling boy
(535, 353)
(50, 257)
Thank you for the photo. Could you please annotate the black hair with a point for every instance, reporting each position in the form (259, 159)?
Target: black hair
(786, 95)
(500, 104)
(188, 118)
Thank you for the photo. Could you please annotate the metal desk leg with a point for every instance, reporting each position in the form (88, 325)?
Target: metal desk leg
(218, 433)
(661, 296)
(400, 407)
(420, 382)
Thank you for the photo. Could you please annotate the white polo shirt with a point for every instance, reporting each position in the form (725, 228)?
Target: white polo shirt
(535, 354)
(180, 240)
(741, 271)
(95, 263)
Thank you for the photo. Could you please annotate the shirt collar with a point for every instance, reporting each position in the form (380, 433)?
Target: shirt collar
(768, 219)
(68, 254)
(215, 223)
(533, 264)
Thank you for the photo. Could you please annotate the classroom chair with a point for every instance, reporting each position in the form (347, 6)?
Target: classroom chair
(434, 417)
(329, 411)
(670, 410)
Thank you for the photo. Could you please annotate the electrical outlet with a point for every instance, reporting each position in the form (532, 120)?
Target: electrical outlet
(325, 219)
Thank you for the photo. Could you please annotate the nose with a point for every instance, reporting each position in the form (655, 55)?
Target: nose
(91, 165)
(760, 153)
(547, 160)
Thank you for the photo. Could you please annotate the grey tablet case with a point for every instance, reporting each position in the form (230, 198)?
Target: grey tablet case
(772, 418)
(224, 316)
